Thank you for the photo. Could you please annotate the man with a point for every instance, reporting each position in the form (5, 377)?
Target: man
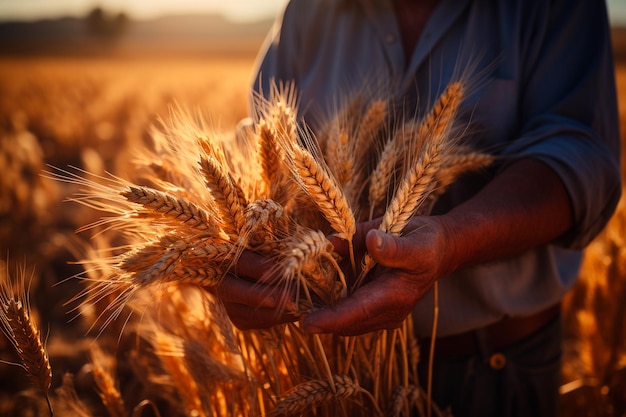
(504, 248)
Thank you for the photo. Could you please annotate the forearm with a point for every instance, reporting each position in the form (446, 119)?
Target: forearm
(526, 205)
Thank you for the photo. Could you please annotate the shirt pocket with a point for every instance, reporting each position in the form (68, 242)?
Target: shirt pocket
(492, 114)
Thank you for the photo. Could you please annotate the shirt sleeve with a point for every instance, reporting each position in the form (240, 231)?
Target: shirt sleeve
(276, 61)
(569, 110)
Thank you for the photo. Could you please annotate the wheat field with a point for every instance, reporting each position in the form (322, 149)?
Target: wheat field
(93, 114)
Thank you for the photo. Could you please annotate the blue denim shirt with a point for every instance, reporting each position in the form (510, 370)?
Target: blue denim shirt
(541, 81)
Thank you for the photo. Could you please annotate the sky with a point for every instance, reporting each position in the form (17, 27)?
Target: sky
(238, 10)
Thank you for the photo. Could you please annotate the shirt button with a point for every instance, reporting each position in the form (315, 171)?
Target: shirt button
(391, 37)
(497, 361)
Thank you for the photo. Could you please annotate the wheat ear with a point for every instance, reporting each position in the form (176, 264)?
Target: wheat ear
(227, 195)
(369, 126)
(264, 220)
(420, 179)
(315, 393)
(24, 335)
(181, 210)
(326, 194)
(443, 112)
(268, 152)
(381, 176)
(311, 258)
(452, 167)
(165, 260)
(339, 156)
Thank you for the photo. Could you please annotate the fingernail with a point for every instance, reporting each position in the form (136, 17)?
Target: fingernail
(379, 242)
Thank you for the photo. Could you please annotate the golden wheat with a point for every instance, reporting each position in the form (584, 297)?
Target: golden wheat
(276, 191)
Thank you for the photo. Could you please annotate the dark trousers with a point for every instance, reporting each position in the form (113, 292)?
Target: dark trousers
(516, 381)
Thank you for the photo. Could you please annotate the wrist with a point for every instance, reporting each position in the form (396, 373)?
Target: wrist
(454, 244)
(439, 241)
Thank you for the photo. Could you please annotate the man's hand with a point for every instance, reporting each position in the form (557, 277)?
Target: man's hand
(524, 206)
(407, 268)
(250, 299)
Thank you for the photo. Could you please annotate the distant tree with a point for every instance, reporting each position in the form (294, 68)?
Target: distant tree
(104, 26)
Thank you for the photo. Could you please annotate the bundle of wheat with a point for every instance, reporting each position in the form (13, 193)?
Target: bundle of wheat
(277, 190)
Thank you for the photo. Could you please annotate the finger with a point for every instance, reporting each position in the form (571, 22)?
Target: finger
(390, 251)
(246, 318)
(342, 246)
(235, 290)
(254, 266)
(370, 308)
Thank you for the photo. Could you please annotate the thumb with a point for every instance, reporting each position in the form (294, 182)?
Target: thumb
(388, 250)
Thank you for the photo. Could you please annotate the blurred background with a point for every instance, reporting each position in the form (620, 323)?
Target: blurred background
(83, 84)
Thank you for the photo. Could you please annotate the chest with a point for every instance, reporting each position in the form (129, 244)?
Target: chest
(412, 17)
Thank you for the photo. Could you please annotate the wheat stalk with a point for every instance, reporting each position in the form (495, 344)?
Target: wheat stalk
(108, 391)
(23, 333)
(66, 393)
(174, 363)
